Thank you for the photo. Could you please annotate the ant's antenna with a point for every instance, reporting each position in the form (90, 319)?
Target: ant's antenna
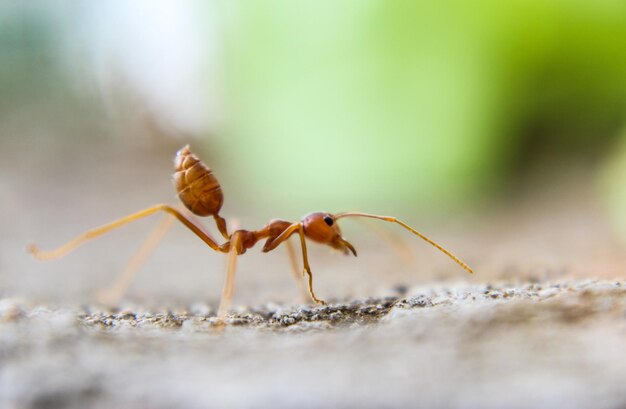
(412, 230)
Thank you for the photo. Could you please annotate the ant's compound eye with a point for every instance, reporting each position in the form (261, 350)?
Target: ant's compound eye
(329, 220)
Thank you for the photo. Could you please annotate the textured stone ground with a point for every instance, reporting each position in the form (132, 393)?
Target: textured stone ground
(539, 345)
(541, 324)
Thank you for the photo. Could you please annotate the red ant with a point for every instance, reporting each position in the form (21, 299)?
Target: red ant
(201, 193)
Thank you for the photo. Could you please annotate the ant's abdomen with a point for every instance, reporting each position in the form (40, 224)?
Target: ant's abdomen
(196, 185)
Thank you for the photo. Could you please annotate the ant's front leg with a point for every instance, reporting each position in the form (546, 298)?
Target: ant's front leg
(286, 234)
(295, 270)
(307, 268)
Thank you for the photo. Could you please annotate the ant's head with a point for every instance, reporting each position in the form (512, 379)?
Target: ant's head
(323, 228)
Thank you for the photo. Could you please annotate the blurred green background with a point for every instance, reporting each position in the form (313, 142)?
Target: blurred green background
(302, 105)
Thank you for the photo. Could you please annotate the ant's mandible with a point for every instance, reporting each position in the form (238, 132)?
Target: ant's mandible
(201, 193)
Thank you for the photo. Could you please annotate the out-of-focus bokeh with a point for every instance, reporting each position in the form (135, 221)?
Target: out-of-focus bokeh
(496, 128)
(447, 114)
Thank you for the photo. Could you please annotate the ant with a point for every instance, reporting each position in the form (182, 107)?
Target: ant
(201, 193)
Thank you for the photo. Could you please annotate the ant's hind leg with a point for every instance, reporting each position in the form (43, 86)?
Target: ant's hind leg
(92, 234)
(112, 294)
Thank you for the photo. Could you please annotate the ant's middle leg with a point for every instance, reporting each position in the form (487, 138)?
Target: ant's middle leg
(229, 280)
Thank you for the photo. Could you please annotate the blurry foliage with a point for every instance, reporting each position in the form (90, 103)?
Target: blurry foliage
(44, 98)
(433, 103)
(29, 59)
(614, 186)
(375, 105)
(571, 89)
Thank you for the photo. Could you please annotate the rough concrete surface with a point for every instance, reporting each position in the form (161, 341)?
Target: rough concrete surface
(542, 323)
(539, 345)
